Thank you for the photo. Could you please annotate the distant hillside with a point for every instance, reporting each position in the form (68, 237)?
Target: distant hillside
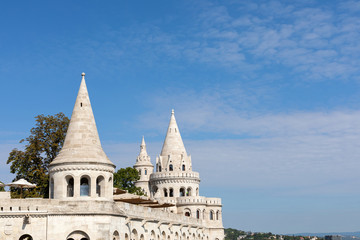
(355, 234)
(234, 234)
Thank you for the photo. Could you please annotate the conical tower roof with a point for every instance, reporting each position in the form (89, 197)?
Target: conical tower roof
(143, 159)
(173, 144)
(82, 142)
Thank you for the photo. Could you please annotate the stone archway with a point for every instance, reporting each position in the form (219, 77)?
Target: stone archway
(26, 237)
(78, 235)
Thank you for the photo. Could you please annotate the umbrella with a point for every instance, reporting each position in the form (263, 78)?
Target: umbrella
(21, 183)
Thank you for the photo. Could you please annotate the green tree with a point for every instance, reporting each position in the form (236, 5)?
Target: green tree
(44, 143)
(125, 179)
(1, 188)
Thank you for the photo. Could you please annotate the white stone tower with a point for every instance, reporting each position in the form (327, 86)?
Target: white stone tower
(82, 170)
(174, 176)
(144, 167)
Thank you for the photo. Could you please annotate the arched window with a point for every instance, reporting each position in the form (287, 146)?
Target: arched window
(26, 237)
(217, 215)
(116, 236)
(126, 236)
(145, 171)
(197, 191)
(211, 215)
(198, 214)
(159, 168)
(188, 192)
(100, 186)
(165, 192)
(139, 171)
(52, 188)
(163, 236)
(204, 214)
(187, 212)
(69, 186)
(182, 192)
(171, 167)
(85, 186)
(152, 236)
(171, 192)
(183, 167)
(134, 234)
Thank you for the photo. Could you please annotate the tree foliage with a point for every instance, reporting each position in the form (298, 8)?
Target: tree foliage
(1, 188)
(44, 143)
(125, 179)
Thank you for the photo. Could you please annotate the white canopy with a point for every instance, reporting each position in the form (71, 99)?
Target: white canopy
(21, 183)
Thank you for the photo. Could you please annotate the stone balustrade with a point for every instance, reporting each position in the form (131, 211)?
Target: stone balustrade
(198, 200)
(167, 175)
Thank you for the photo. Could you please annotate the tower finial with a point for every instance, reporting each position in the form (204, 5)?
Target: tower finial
(172, 111)
(83, 75)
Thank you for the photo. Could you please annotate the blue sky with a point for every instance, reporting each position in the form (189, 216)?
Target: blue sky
(266, 95)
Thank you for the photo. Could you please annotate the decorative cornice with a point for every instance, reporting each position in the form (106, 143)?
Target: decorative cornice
(89, 168)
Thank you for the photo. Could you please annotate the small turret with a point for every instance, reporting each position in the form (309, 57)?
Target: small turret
(144, 167)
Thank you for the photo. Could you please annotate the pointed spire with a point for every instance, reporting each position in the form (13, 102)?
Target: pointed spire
(143, 146)
(82, 142)
(173, 143)
(143, 159)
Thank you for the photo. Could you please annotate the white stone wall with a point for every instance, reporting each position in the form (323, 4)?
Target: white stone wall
(96, 220)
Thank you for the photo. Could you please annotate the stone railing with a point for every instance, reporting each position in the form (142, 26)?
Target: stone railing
(137, 211)
(23, 206)
(198, 200)
(167, 175)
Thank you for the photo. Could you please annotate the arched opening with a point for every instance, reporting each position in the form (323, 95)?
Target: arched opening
(78, 235)
(171, 167)
(152, 235)
(85, 186)
(171, 192)
(163, 236)
(176, 236)
(134, 235)
(142, 237)
(116, 236)
(126, 236)
(182, 192)
(183, 167)
(69, 186)
(198, 214)
(154, 190)
(197, 191)
(159, 168)
(145, 171)
(52, 188)
(188, 192)
(100, 186)
(204, 214)
(26, 237)
(187, 212)
(217, 215)
(211, 215)
(165, 192)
